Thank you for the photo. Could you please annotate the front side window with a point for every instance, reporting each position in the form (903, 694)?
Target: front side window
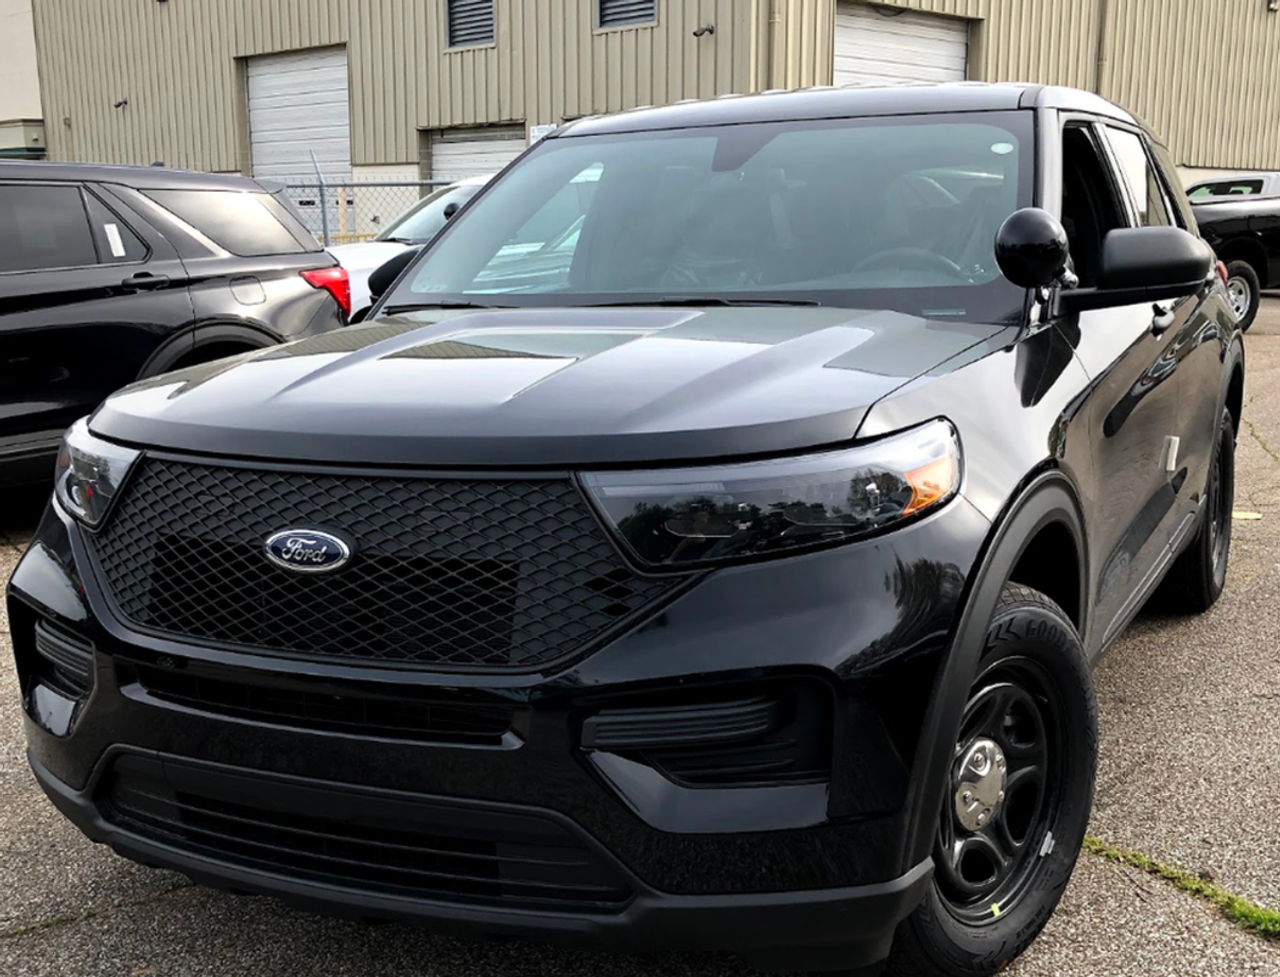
(44, 227)
(1151, 208)
(860, 213)
(1227, 188)
(426, 218)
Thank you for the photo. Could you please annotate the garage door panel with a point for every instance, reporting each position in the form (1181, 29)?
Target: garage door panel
(462, 154)
(874, 49)
(299, 102)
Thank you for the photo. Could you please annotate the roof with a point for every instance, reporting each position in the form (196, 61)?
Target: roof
(835, 103)
(140, 177)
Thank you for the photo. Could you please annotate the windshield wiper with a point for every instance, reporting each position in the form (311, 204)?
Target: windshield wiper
(400, 240)
(418, 306)
(693, 301)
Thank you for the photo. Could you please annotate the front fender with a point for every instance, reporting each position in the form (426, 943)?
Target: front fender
(1049, 498)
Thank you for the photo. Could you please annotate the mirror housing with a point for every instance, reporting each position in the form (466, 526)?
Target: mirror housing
(1031, 248)
(1145, 264)
(384, 276)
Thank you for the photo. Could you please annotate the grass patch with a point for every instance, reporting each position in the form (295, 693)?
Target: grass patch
(1239, 911)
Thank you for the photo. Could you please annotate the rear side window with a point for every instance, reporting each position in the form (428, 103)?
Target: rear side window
(44, 227)
(117, 244)
(1151, 207)
(246, 224)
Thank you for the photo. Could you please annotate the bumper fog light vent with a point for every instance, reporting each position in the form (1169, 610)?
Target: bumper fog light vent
(68, 660)
(762, 737)
(619, 730)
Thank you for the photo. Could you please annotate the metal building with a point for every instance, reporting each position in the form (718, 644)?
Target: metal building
(401, 89)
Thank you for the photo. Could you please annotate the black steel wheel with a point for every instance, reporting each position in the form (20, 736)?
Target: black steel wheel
(1017, 798)
(1004, 782)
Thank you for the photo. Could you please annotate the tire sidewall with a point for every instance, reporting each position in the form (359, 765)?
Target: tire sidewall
(1038, 631)
(1224, 453)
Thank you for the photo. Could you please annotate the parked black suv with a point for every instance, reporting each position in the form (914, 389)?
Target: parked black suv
(1245, 233)
(726, 577)
(111, 273)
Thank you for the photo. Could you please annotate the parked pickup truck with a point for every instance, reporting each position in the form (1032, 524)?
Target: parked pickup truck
(1245, 232)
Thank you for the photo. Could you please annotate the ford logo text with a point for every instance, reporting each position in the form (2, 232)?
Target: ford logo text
(307, 550)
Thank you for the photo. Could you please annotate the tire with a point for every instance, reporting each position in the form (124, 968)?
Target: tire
(1032, 703)
(1245, 292)
(1195, 581)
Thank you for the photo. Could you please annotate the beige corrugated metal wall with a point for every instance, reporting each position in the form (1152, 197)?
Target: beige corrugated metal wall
(180, 67)
(1205, 74)
(1202, 72)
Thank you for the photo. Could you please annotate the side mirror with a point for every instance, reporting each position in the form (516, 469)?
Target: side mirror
(1031, 248)
(1145, 264)
(384, 276)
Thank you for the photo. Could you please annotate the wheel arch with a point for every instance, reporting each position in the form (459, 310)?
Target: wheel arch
(1249, 251)
(203, 336)
(1047, 504)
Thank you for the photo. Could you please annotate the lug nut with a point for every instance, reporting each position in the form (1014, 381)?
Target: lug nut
(967, 796)
(1000, 796)
(982, 819)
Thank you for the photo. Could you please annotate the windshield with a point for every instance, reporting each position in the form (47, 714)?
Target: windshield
(897, 213)
(423, 221)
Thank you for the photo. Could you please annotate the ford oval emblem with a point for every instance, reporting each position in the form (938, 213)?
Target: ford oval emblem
(307, 550)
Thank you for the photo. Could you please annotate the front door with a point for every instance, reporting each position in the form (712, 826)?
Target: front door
(1131, 359)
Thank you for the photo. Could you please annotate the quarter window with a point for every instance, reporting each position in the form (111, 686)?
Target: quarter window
(1151, 207)
(44, 227)
(249, 225)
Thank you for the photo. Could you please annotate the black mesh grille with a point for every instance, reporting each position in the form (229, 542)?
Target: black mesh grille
(454, 573)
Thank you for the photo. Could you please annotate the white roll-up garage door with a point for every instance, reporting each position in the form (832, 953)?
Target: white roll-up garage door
(903, 47)
(298, 102)
(459, 154)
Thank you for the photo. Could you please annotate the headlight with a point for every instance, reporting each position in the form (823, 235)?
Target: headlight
(89, 473)
(687, 516)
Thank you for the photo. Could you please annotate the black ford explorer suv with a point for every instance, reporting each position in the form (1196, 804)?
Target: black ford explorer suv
(726, 573)
(113, 273)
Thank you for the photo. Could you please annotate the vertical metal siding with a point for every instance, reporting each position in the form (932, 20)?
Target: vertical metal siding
(1201, 72)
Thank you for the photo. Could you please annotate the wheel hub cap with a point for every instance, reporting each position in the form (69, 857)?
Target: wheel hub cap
(1240, 297)
(980, 784)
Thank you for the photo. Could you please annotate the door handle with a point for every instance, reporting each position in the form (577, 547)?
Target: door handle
(144, 280)
(1162, 317)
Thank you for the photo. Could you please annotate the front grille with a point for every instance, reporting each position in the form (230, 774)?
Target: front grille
(394, 844)
(450, 573)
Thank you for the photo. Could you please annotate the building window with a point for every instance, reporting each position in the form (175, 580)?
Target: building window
(619, 13)
(470, 22)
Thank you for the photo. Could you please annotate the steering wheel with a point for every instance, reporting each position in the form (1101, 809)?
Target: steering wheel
(920, 258)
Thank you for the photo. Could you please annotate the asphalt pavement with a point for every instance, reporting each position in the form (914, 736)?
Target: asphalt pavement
(1189, 757)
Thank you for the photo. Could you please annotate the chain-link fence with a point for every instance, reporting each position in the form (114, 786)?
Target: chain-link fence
(344, 213)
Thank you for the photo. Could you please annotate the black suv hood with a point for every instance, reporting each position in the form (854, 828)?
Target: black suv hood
(538, 387)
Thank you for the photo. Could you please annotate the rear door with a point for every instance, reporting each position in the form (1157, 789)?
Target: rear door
(1133, 407)
(86, 296)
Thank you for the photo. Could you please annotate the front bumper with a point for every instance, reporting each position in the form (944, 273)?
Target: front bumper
(856, 922)
(758, 868)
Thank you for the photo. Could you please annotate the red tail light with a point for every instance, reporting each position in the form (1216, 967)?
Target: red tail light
(335, 282)
(1222, 271)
